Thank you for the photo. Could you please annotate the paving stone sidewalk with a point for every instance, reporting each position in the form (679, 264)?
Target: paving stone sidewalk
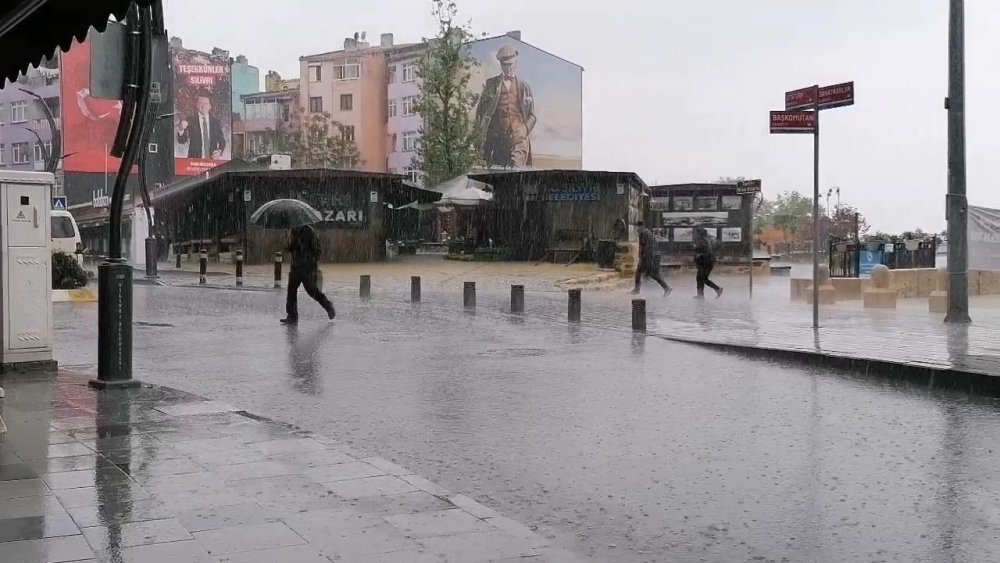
(158, 475)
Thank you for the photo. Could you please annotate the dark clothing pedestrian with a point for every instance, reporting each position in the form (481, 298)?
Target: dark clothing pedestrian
(648, 263)
(704, 261)
(305, 250)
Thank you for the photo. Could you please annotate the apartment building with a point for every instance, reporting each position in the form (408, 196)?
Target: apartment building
(350, 85)
(265, 115)
(25, 134)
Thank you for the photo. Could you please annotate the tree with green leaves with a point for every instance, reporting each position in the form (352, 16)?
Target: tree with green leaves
(317, 141)
(449, 136)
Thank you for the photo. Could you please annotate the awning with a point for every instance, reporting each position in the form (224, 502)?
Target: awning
(31, 30)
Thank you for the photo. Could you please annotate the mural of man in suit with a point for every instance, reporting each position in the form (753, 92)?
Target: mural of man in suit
(202, 131)
(506, 115)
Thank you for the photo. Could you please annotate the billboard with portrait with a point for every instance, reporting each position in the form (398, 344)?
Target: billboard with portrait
(530, 107)
(203, 122)
(89, 124)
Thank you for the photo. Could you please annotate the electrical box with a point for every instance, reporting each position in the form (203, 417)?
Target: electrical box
(25, 269)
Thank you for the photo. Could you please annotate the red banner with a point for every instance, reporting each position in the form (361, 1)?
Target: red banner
(793, 122)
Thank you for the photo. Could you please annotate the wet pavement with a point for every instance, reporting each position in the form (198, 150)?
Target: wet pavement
(615, 446)
(157, 475)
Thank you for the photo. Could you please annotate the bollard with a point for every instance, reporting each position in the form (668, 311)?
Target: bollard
(151, 254)
(239, 268)
(202, 267)
(639, 315)
(277, 270)
(415, 289)
(366, 287)
(177, 255)
(517, 299)
(469, 295)
(574, 305)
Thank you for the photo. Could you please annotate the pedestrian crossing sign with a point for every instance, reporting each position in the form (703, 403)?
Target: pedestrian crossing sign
(59, 203)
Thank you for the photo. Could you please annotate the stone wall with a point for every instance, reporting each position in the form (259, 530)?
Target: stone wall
(909, 283)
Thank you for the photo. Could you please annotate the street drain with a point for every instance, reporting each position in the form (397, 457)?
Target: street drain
(514, 353)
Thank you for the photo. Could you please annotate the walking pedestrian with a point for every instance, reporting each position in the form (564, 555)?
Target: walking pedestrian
(305, 250)
(648, 263)
(704, 260)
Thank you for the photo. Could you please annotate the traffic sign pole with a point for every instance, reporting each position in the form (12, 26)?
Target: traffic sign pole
(816, 209)
(749, 188)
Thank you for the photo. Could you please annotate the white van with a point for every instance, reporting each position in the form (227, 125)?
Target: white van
(65, 233)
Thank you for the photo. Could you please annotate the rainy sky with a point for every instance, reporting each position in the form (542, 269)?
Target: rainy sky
(679, 91)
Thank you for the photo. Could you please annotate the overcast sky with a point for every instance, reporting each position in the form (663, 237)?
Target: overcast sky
(679, 91)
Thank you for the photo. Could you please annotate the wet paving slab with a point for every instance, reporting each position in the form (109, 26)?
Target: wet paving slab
(124, 484)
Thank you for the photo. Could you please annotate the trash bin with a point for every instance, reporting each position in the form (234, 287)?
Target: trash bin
(606, 253)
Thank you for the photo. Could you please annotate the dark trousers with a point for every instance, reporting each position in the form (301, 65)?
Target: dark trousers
(705, 270)
(649, 268)
(307, 279)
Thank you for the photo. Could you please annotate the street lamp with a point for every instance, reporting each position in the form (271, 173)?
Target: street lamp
(956, 208)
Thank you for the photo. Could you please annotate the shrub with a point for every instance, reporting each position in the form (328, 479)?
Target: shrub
(66, 272)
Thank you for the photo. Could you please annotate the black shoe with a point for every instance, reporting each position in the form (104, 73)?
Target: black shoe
(332, 313)
(634, 291)
(289, 321)
(667, 291)
(718, 293)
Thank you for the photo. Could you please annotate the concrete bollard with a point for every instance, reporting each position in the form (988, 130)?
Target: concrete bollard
(574, 305)
(239, 268)
(277, 269)
(203, 267)
(469, 295)
(517, 299)
(415, 289)
(178, 257)
(639, 315)
(366, 287)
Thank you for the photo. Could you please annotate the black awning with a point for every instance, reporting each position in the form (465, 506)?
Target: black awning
(31, 30)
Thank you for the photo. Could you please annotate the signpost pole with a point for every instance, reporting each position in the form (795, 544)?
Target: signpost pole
(956, 207)
(815, 233)
(749, 201)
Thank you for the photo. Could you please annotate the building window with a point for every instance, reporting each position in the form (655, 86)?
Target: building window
(410, 141)
(347, 133)
(41, 151)
(315, 73)
(20, 154)
(412, 174)
(392, 74)
(1, 114)
(409, 72)
(316, 105)
(37, 125)
(392, 108)
(3, 154)
(18, 112)
(346, 102)
(350, 70)
(154, 148)
(409, 105)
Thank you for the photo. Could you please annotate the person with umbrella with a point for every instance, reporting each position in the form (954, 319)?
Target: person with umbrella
(704, 261)
(303, 244)
(648, 264)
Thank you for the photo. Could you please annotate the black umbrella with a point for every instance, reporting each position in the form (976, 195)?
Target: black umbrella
(281, 214)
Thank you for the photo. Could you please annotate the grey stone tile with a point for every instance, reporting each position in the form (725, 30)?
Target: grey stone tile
(296, 554)
(50, 550)
(404, 503)
(23, 488)
(92, 496)
(178, 503)
(30, 506)
(472, 507)
(37, 527)
(343, 472)
(518, 530)
(203, 519)
(85, 478)
(286, 493)
(425, 485)
(256, 470)
(248, 538)
(556, 555)
(348, 533)
(165, 467)
(16, 472)
(200, 407)
(437, 523)
(229, 457)
(74, 463)
(174, 552)
(289, 446)
(408, 556)
(477, 547)
(109, 513)
(317, 458)
(186, 482)
(107, 538)
(387, 466)
(209, 445)
(54, 451)
(356, 488)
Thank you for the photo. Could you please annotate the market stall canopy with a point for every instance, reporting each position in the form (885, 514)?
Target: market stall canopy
(31, 30)
(462, 191)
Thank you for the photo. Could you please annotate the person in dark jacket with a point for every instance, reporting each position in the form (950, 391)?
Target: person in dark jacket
(648, 264)
(305, 250)
(704, 260)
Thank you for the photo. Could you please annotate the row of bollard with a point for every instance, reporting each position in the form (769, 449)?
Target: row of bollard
(573, 313)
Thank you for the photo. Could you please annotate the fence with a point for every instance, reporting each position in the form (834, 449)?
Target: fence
(857, 260)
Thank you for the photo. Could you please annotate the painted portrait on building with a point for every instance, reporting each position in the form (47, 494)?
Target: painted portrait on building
(530, 106)
(203, 122)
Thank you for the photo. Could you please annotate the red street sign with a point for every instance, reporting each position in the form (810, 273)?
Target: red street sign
(835, 96)
(793, 122)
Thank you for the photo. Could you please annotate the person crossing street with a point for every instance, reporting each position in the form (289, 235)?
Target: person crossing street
(305, 249)
(648, 263)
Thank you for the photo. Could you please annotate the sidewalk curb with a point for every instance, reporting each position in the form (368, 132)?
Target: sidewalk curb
(927, 377)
